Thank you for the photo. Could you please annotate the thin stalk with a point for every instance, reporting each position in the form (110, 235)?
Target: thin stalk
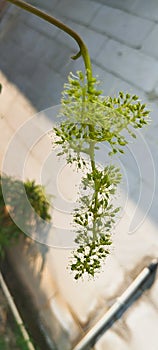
(92, 161)
(83, 48)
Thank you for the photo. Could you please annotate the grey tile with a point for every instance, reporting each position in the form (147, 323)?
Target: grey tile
(149, 44)
(82, 11)
(129, 64)
(120, 25)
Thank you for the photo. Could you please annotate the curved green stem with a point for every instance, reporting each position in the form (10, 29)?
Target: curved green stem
(83, 48)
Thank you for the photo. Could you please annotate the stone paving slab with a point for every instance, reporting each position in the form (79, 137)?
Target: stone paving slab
(27, 38)
(119, 4)
(149, 45)
(7, 134)
(137, 68)
(38, 24)
(82, 12)
(141, 329)
(146, 9)
(128, 29)
(46, 5)
(111, 340)
(142, 9)
(64, 319)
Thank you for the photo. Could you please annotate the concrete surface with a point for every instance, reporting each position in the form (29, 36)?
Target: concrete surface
(34, 62)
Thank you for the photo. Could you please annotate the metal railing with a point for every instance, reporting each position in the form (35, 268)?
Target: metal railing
(142, 282)
(15, 313)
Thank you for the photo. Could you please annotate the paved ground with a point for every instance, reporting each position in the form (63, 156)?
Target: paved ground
(34, 62)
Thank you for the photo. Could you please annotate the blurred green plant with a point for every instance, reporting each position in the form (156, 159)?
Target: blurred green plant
(15, 204)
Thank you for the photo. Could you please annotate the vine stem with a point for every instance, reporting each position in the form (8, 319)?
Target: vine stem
(93, 167)
(83, 48)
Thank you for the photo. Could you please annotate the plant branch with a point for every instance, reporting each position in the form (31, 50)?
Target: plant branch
(93, 167)
(83, 48)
